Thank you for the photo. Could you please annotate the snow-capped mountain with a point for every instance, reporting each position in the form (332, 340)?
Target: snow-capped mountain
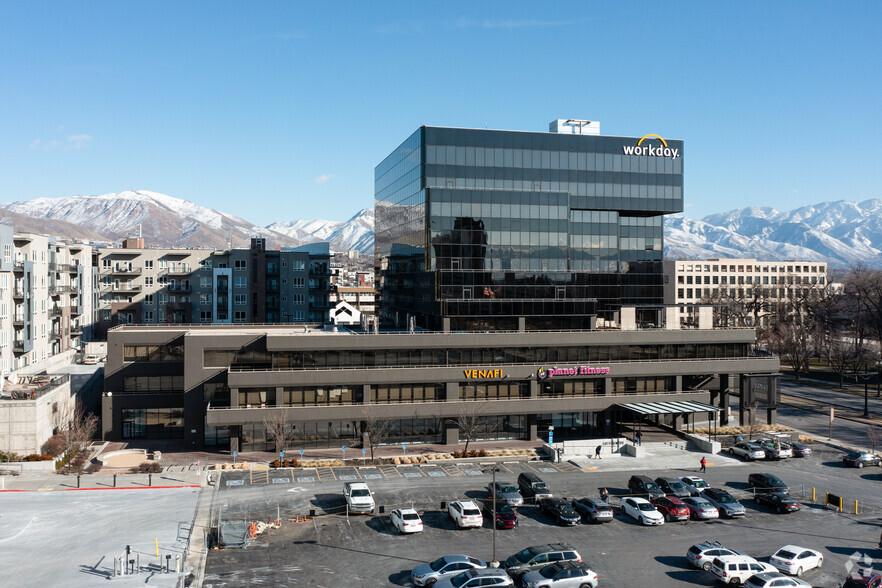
(841, 233)
(356, 234)
(164, 221)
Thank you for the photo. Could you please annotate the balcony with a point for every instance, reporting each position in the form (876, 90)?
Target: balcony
(76, 330)
(177, 271)
(185, 288)
(18, 346)
(18, 266)
(54, 312)
(18, 293)
(18, 321)
(55, 334)
(122, 271)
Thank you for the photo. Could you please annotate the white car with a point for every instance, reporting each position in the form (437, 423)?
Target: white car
(642, 510)
(465, 514)
(406, 520)
(774, 580)
(794, 560)
(749, 451)
(91, 359)
(561, 574)
(694, 484)
(736, 569)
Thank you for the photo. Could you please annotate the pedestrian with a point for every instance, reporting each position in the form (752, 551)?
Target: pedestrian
(597, 452)
(604, 494)
(639, 437)
(703, 465)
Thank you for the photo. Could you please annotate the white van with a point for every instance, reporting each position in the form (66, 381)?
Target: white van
(359, 497)
(736, 569)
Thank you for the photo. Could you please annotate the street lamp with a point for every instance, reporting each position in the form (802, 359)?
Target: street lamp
(493, 470)
(866, 378)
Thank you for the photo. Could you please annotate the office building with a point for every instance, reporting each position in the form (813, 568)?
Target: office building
(501, 230)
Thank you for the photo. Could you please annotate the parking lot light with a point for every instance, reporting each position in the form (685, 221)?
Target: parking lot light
(493, 470)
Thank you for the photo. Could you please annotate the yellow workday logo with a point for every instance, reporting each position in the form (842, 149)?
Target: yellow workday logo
(651, 149)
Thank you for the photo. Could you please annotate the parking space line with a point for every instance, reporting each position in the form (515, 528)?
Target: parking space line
(325, 474)
(390, 471)
(451, 469)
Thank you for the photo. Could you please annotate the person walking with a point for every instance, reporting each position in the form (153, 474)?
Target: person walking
(703, 465)
(604, 494)
(597, 452)
(639, 438)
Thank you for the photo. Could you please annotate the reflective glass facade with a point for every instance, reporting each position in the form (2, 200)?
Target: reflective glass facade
(483, 227)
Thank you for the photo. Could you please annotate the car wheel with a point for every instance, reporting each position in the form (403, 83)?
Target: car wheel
(735, 581)
(431, 582)
(820, 561)
(731, 452)
(860, 464)
(706, 566)
(779, 510)
(798, 572)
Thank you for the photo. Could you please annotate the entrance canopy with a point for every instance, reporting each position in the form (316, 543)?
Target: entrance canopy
(648, 408)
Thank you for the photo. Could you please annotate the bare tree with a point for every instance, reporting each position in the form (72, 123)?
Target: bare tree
(844, 357)
(375, 427)
(473, 422)
(277, 429)
(865, 285)
(874, 434)
(77, 426)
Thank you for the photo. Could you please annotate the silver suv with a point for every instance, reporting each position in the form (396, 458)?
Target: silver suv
(702, 555)
(539, 556)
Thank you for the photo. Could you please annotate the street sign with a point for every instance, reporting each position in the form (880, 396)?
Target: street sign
(550, 437)
(404, 447)
(281, 454)
(363, 450)
(301, 453)
(344, 451)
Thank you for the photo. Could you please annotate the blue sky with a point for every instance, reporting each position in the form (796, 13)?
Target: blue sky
(280, 110)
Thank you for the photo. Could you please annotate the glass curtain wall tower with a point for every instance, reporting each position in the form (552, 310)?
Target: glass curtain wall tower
(504, 230)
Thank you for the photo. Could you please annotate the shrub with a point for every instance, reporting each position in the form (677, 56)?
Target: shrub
(295, 463)
(482, 453)
(37, 457)
(54, 445)
(457, 454)
(275, 463)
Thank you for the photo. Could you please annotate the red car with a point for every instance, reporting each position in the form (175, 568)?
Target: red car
(506, 517)
(672, 508)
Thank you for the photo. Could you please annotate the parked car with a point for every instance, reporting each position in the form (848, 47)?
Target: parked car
(506, 517)
(644, 486)
(531, 486)
(477, 577)
(736, 569)
(671, 507)
(863, 579)
(358, 497)
(748, 451)
(560, 511)
(778, 500)
(767, 483)
(775, 448)
(563, 574)
(700, 509)
(642, 510)
(593, 509)
(800, 449)
(91, 359)
(673, 487)
(507, 492)
(539, 556)
(465, 514)
(774, 580)
(859, 459)
(701, 555)
(406, 520)
(428, 574)
(725, 502)
(694, 484)
(794, 560)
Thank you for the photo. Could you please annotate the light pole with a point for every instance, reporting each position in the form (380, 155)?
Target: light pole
(866, 378)
(493, 470)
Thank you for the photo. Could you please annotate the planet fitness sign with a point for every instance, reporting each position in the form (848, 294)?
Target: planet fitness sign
(579, 370)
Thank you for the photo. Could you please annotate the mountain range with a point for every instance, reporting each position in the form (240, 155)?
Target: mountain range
(842, 233)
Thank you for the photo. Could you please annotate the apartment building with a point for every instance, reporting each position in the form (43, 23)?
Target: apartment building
(723, 282)
(183, 286)
(45, 300)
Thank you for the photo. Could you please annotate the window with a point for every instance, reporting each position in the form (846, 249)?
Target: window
(240, 299)
(239, 316)
(205, 316)
(240, 264)
(163, 298)
(148, 316)
(240, 282)
(297, 298)
(148, 298)
(205, 281)
(7, 253)
(205, 299)
(148, 281)
(163, 264)
(205, 264)
(148, 264)
(297, 282)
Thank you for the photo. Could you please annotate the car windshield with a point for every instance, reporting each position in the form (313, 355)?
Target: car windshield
(539, 486)
(725, 498)
(703, 504)
(525, 555)
(700, 484)
(438, 564)
(564, 507)
(507, 488)
(603, 508)
(504, 509)
(411, 516)
(783, 553)
(645, 506)
(775, 481)
(461, 579)
(471, 512)
(652, 486)
(676, 486)
(549, 571)
(360, 493)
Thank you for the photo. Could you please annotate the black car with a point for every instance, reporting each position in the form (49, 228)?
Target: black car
(506, 518)
(778, 500)
(643, 486)
(560, 510)
(531, 486)
(763, 483)
(673, 487)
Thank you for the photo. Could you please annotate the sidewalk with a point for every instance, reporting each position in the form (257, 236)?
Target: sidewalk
(49, 482)
(666, 456)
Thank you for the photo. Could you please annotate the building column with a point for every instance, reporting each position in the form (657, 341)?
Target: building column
(107, 419)
(280, 395)
(677, 421)
(607, 386)
(772, 415)
(366, 394)
(724, 400)
(522, 324)
(532, 428)
(678, 383)
(451, 432)
(452, 391)
(234, 398)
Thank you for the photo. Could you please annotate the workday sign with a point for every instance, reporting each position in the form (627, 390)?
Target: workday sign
(650, 149)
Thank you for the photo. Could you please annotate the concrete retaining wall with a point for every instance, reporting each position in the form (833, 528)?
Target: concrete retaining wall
(704, 444)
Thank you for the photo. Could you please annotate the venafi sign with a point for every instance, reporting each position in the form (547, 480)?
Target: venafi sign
(650, 149)
(482, 374)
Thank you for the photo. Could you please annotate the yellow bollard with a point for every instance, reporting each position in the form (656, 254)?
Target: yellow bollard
(855, 507)
(156, 539)
(813, 494)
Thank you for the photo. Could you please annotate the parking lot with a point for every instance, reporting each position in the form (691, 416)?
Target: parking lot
(329, 550)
